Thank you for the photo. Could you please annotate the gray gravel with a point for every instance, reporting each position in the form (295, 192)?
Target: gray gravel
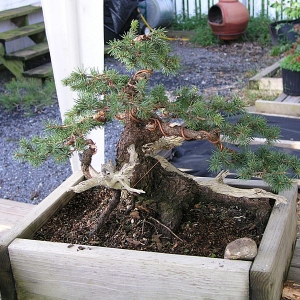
(215, 70)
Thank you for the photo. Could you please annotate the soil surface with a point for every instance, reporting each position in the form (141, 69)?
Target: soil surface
(206, 229)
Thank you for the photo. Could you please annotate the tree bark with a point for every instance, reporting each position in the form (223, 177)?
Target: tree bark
(171, 192)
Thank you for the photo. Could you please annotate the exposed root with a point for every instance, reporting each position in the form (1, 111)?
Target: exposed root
(111, 206)
(166, 227)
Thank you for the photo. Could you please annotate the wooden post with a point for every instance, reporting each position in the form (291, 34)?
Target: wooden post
(75, 36)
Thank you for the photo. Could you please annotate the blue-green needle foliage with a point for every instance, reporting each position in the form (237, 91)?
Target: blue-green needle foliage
(145, 52)
(103, 96)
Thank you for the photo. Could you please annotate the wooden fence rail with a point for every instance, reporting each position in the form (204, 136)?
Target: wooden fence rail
(189, 8)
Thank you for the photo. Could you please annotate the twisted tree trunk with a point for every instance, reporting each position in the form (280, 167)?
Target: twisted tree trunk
(171, 191)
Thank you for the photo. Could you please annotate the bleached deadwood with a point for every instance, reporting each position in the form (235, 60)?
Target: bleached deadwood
(217, 185)
(109, 177)
(164, 143)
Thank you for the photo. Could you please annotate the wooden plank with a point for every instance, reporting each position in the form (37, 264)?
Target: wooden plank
(39, 72)
(28, 30)
(280, 108)
(42, 213)
(267, 72)
(270, 266)
(11, 212)
(29, 52)
(296, 258)
(281, 97)
(35, 219)
(18, 12)
(268, 83)
(294, 272)
(292, 99)
(122, 274)
(16, 67)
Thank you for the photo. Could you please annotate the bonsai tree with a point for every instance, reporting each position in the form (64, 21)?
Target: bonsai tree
(148, 115)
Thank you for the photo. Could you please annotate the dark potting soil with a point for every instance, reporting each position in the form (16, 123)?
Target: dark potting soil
(206, 229)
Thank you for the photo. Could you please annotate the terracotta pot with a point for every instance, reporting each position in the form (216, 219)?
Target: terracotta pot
(228, 19)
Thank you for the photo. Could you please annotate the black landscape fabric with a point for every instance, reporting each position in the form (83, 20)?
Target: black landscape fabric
(192, 156)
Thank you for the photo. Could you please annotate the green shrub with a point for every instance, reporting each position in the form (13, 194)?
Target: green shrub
(258, 30)
(204, 36)
(188, 23)
(280, 49)
(28, 95)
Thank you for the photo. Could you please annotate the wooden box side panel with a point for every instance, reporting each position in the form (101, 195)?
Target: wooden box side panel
(270, 267)
(52, 270)
(294, 272)
(28, 225)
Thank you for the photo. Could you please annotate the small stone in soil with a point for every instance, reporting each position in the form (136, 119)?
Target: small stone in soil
(242, 249)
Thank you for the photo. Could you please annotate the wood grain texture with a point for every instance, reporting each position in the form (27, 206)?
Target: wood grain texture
(281, 98)
(269, 83)
(17, 12)
(29, 52)
(11, 212)
(270, 266)
(39, 72)
(281, 108)
(46, 270)
(21, 32)
(294, 272)
(29, 225)
(57, 271)
(254, 82)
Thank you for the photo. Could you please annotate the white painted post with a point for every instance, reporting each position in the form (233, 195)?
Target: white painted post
(75, 36)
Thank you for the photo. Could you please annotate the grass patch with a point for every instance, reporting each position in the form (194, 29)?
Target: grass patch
(250, 96)
(27, 95)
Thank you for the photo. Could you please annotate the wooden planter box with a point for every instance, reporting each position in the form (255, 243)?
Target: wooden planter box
(264, 80)
(32, 269)
(284, 104)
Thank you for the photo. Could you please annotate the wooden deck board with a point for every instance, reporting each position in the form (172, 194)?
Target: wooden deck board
(16, 33)
(268, 71)
(29, 52)
(18, 12)
(11, 212)
(281, 98)
(39, 72)
(292, 99)
(294, 272)
(282, 105)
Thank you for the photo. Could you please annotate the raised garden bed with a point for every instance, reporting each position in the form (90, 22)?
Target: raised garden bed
(267, 79)
(33, 269)
(270, 79)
